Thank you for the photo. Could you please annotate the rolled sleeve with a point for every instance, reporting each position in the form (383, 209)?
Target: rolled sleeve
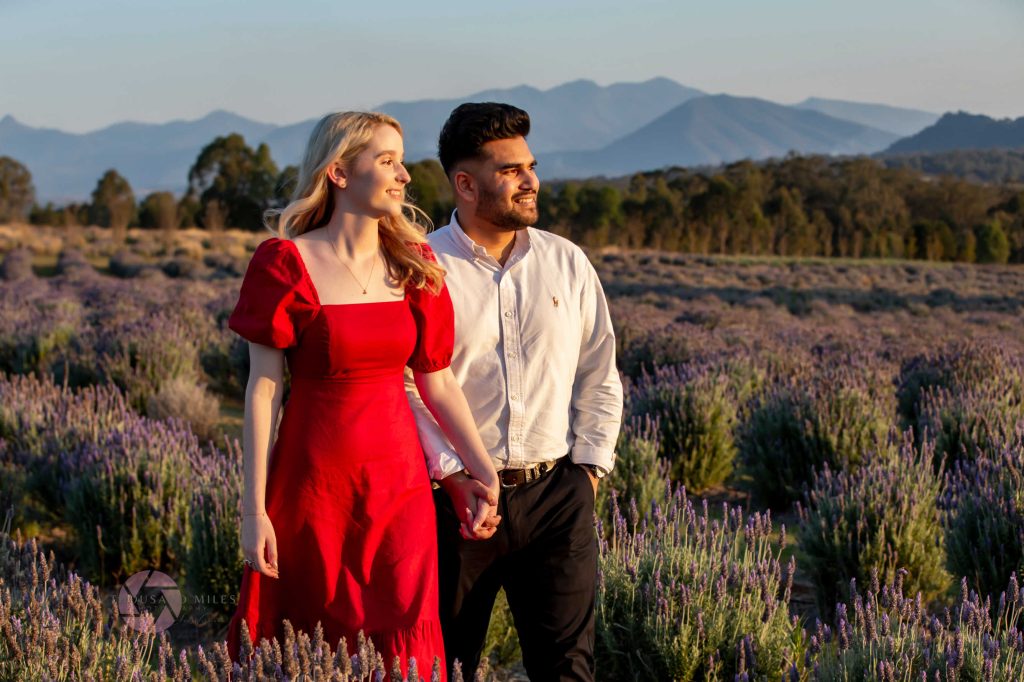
(597, 389)
(442, 460)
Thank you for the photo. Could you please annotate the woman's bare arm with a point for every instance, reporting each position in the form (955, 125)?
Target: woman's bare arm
(263, 395)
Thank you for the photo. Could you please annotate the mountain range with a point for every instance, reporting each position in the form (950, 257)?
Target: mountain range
(961, 130)
(580, 129)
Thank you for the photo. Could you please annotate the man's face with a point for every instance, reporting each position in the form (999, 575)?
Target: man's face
(507, 184)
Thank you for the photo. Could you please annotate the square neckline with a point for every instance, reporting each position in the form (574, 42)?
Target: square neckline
(312, 286)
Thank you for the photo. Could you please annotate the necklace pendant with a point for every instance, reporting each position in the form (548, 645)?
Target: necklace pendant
(364, 292)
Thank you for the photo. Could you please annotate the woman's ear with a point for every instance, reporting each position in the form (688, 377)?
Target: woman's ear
(337, 175)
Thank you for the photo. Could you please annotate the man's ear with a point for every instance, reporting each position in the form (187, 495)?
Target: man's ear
(464, 186)
(337, 175)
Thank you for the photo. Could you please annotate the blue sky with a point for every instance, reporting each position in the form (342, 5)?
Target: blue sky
(82, 64)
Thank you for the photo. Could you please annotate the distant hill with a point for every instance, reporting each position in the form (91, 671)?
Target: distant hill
(962, 130)
(577, 115)
(152, 156)
(717, 129)
(895, 120)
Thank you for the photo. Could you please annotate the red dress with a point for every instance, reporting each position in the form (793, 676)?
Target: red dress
(347, 486)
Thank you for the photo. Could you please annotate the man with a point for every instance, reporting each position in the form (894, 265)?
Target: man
(535, 355)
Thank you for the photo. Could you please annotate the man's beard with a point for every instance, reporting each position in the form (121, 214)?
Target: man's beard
(492, 208)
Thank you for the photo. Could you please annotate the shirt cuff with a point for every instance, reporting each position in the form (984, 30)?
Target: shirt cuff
(601, 458)
(447, 464)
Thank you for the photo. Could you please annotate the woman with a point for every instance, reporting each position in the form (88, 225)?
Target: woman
(338, 523)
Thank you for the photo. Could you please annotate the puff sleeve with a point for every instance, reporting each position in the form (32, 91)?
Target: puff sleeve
(277, 300)
(435, 325)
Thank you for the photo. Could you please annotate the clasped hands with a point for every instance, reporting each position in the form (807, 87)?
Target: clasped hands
(475, 504)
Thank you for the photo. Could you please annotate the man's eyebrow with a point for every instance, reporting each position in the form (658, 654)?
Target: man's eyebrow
(509, 166)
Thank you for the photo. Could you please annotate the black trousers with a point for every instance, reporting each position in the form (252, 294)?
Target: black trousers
(544, 554)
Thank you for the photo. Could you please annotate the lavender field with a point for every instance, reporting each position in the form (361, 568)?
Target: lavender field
(820, 474)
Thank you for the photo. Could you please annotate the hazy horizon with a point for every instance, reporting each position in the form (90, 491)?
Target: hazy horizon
(81, 67)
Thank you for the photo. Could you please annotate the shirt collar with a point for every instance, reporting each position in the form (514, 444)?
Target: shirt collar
(474, 250)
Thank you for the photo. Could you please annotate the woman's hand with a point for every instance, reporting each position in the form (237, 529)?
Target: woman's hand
(475, 505)
(259, 544)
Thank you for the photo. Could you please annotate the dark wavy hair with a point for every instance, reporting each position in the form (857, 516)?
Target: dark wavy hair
(473, 124)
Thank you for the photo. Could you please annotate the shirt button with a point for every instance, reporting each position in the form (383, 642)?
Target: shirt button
(513, 355)
(515, 439)
(515, 396)
(508, 313)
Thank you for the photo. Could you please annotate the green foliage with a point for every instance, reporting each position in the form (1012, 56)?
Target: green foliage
(696, 410)
(984, 503)
(639, 475)
(835, 415)
(430, 191)
(113, 202)
(993, 246)
(159, 210)
(17, 194)
(501, 646)
(683, 596)
(213, 564)
(880, 517)
(233, 183)
(891, 636)
(143, 356)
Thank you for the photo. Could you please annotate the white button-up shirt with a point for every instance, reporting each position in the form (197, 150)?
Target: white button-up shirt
(534, 354)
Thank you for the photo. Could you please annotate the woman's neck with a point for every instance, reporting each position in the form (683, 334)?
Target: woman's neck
(353, 236)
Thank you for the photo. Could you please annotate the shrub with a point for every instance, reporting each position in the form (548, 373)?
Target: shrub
(683, 596)
(984, 503)
(957, 366)
(182, 399)
(696, 410)
(147, 353)
(832, 416)
(54, 625)
(892, 636)
(17, 265)
(130, 501)
(967, 421)
(881, 517)
(72, 263)
(639, 477)
(214, 561)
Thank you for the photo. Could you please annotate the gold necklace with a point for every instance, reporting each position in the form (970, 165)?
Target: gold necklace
(338, 256)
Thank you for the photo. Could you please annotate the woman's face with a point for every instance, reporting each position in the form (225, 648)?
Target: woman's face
(375, 181)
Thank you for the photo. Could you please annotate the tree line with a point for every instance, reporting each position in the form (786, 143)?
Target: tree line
(796, 206)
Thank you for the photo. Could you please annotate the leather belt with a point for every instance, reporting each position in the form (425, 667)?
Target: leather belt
(510, 478)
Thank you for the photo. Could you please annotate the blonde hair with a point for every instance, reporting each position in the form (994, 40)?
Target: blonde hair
(341, 137)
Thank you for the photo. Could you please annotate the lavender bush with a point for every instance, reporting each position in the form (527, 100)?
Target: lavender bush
(684, 596)
(955, 367)
(214, 562)
(984, 505)
(830, 416)
(891, 636)
(639, 474)
(55, 626)
(971, 420)
(881, 517)
(695, 407)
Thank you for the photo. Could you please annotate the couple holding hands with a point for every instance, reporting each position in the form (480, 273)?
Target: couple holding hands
(482, 359)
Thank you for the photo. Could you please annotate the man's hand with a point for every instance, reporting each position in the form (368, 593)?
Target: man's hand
(475, 505)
